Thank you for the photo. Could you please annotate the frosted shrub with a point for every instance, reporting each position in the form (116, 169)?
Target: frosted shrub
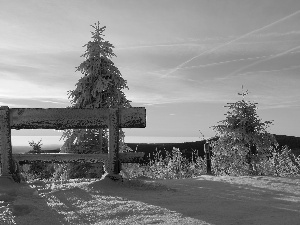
(196, 168)
(228, 160)
(176, 164)
(173, 166)
(282, 163)
(134, 169)
(61, 171)
(266, 168)
(41, 170)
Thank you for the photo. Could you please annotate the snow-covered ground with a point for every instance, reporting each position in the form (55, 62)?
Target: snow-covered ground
(202, 200)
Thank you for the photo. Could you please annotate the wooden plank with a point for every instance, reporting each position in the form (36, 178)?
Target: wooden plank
(134, 117)
(58, 118)
(125, 157)
(5, 143)
(69, 118)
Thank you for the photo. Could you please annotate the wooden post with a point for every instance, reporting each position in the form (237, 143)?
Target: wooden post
(113, 167)
(5, 143)
(208, 161)
(100, 139)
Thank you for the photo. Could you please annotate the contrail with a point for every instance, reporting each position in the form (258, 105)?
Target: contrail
(227, 43)
(220, 63)
(213, 64)
(216, 63)
(263, 60)
(269, 71)
(150, 46)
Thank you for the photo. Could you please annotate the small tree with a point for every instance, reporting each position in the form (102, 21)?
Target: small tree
(36, 147)
(100, 87)
(39, 169)
(243, 140)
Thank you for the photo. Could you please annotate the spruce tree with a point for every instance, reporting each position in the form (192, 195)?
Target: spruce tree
(100, 87)
(243, 139)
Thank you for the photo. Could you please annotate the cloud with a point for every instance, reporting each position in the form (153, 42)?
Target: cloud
(201, 81)
(158, 60)
(204, 63)
(276, 89)
(34, 102)
(38, 74)
(210, 74)
(235, 40)
(12, 105)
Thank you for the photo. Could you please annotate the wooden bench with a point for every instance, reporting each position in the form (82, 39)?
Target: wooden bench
(70, 118)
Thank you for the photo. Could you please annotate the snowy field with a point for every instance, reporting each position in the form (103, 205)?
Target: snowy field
(202, 200)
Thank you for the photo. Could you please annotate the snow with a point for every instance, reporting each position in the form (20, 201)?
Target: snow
(200, 200)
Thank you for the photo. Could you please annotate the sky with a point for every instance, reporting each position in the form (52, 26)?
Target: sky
(182, 60)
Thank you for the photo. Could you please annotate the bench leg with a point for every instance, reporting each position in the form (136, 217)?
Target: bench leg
(113, 166)
(114, 176)
(5, 143)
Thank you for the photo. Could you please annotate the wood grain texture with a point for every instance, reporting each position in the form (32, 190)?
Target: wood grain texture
(5, 142)
(68, 118)
(125, 157)
(113, 143)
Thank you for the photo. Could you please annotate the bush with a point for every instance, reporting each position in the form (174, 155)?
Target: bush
(174, 166)
(281, 163)
(229, 162)
(39, 169)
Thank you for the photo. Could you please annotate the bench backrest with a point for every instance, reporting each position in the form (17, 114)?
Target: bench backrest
(68, 118)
